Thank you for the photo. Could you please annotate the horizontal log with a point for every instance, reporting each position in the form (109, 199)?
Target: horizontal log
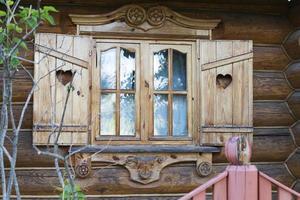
(269, 58)
(294, 16)
(259, 28)
(293, 163)
(292, 46)
(293, 74)
(180, 178)
(296, 132)
(147, 149)
(270, 86)
(27, 121)
(269, 145)
(22, 84)
(271, 114)
(27, 155)
(294, 104)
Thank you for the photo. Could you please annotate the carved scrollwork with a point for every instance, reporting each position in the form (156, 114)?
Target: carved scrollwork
(82, 166)
(156, 16)
(204, 168)
(136, 15)
(145, 19)
(146, 168)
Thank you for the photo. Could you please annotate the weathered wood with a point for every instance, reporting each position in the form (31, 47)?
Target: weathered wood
(264, 139)
(220, 190)
(277, 171)
(294, 104)
(27, 155)
(68, 54)
(270, 86)
(242, 182)
(296, 132)
(272, 114)
(293, 163)
(293, 74)
(235, 26)
(148, 149)
(265, 189)
(292, 46)
(294, 14)
(269, 58)
(226, 90)
(22, 84)
(27, 121)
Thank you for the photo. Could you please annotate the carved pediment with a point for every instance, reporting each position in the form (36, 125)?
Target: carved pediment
(145, 19)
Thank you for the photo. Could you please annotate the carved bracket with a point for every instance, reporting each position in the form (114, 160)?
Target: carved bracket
(145, 168)
(145, 19)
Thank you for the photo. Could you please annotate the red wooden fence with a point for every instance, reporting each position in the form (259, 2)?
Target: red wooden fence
(241, 181)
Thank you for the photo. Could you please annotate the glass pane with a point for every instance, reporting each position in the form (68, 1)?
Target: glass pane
(179, 70)
(108, 69)
(127, 69)
(161, 70)
(108, 117)
(179, 115)
(160, 115)
(127, 122)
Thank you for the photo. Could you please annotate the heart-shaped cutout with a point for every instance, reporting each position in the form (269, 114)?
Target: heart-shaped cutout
(224, 81)
(64, 77)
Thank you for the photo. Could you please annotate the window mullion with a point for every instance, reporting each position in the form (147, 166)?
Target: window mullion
(118, 93)
(170, 96)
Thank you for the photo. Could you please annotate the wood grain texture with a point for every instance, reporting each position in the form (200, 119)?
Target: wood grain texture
(293, 163)
(269, 58)
(292, 46)
(265, 189)
(265, 139)
(294, 104)
(293, 74)
(272, 114)
(296, 132)
(270, 86)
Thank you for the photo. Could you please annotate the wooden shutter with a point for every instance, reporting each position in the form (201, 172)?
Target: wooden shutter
(57, 58)
(226, 90)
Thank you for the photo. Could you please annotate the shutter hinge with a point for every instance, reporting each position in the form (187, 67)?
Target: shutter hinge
(90, 53)
(199, 129)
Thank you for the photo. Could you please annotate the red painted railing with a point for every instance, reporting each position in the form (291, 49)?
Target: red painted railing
(241, 182)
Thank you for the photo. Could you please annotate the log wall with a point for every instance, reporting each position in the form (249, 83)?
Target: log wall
(276, 103)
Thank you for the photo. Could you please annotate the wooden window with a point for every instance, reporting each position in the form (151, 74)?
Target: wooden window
(142, 91)
(119, 73)
(157, 108)
(171, 82)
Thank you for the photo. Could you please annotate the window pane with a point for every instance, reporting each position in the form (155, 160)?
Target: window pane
(179, 70)
(108, 117)
(127, 69)
(160, 115)
(127, 122)
(108, 69)
(161, 70)
(179, 115)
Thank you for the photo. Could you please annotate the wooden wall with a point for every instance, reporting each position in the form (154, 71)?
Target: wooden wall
(276, 104)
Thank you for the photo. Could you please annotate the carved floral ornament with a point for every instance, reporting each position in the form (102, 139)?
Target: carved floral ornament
(136, 16)
(143, 168)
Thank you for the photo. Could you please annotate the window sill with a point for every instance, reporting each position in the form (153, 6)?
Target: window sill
(147, 149)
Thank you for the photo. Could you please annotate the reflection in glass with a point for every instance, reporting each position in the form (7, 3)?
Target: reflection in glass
(127, 69)
(161, 70)
(108, 117)
(179, 115)
(160, 115)
(127, 115)
(108, 69)
(179, 70)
